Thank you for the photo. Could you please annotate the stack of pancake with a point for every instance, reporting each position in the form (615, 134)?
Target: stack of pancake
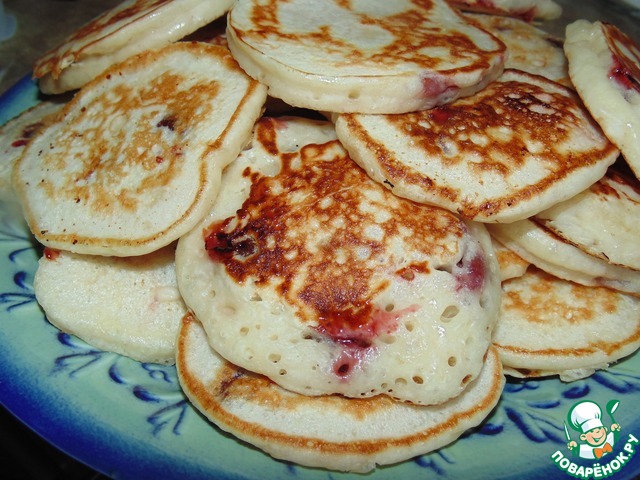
(344, 222)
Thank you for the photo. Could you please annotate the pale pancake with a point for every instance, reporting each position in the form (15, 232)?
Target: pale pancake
(539, 245)
(130, 306)
(604, 65)
(137, 160)
(312, 274)
(529, 48)
(517, 147)
(523, 9)
(550, 326)
(603, 221)
(511, 264)
(128, 29)
(372, 57)
(330, 432)
(14, 136)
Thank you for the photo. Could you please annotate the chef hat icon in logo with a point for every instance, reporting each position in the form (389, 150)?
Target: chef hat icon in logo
(585, 416)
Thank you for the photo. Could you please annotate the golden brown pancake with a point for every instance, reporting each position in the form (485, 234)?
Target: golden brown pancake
(604, 65)
(14, 136)
(137, 160)
(309, 272)
(128, 29)
(376, 56)
(529, 48)
(603, 221)
(330, 432)
(550, 326)
(517, 147)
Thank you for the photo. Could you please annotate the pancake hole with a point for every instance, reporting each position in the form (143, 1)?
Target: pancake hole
(248, 353)
(401, 381)
(229, 310)
(282, 372)
(445, 268)
(343, 369)
(256, 298)
(354, 94)
(273, 337)
(466, 379)
(417, 380)
(389, 307)
(452, 361)
(244, 331)
(388, 339)
(409, 326)
(274, 357)
(449, 313)
(384, 386)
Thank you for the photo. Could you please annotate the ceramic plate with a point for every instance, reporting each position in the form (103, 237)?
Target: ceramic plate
(130, 420)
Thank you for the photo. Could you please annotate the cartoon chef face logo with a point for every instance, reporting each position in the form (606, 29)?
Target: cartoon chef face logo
(596, 440)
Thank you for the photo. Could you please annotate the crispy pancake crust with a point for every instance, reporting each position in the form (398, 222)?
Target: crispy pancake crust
(550, 326)
(517, 147)
(309, 272)
(130, 306)
(136, 161)
(374, 57)
(131, 28)
(604, 65)
(330, 432)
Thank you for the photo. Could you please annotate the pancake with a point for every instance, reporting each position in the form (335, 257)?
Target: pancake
(519, 146)
(527, 10)
(539, 245)
(14, 136)
(330, 432)
(604, 65)
(549, 326)
(529, 48)
(137, 160)
(369, 57)
(128, 29)
(601, 221)
(511, 264)
(130, 306)
(308, 272)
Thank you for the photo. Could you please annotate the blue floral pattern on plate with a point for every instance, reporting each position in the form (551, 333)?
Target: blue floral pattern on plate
(131, 420)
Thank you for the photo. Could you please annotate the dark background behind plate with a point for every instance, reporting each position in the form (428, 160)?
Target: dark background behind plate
(41, 25)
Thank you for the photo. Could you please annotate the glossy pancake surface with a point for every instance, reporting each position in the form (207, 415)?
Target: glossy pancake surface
(130, 306)
(136, 161)
(128, 29)
(331, 432)
(373, 57)
(312, 274)
(550, 326)
(604, 65)
(517, 147)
